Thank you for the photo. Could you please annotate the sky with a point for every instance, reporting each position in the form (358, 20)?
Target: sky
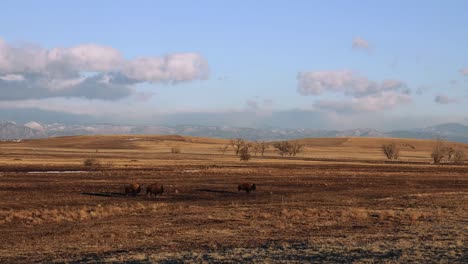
(293, 64)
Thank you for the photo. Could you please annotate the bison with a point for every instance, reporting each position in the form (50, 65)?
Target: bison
(248, 187)
(132, 189)
(155, 189)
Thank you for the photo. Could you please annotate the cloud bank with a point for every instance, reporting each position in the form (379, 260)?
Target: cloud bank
(363, 94)
(88, 71)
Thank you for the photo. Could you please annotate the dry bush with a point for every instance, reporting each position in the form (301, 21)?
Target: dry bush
(459, 156)
(439, 151)
(392, 151)
(175, 150)
(245, 153)
(91, 162)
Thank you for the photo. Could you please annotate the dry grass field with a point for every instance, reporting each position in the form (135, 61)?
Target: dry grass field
(340, 201)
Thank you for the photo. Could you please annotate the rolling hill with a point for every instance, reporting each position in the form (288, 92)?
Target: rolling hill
(9, 130)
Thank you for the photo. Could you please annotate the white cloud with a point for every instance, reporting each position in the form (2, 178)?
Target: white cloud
(361, 94)
(370, 103)
(360, 43)
(88, 71)
(171, 68)
(12, 77)
(346, 82)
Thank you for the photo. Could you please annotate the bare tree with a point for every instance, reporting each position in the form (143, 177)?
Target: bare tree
(263, 146)
(295, 148)
(245, 152)
(282, 147)
(439, 151)
(392, 151)
(255, 147)
(237, 144)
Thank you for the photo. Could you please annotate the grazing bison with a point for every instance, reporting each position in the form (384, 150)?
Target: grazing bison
(154, 189)
(132, 189)
(248, 187)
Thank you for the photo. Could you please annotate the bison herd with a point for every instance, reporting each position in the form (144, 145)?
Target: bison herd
(153, 189)
(157, 189)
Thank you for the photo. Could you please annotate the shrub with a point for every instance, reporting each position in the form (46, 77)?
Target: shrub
(392, 151)
(90, 162)
(175, 150)
(245, 153)
(439, 151)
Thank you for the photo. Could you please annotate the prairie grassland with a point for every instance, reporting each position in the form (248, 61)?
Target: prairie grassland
(339, 201)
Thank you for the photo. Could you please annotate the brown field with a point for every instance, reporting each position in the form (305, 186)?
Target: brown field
(339, 201)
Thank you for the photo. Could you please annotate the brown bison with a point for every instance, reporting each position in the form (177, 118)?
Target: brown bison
(155, 189)
(132, 189)
(248, 187)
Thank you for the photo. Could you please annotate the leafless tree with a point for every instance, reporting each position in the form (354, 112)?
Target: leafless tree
(262, 147)
(295, 148)
(255, 147)
(245, 152)
(237, 144)
(392, 151)
(282, 147)
(439, 151)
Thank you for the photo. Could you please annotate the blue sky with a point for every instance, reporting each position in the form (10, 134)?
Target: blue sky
(381, 64)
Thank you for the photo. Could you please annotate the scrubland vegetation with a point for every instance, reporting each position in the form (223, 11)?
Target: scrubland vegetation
(337, 200)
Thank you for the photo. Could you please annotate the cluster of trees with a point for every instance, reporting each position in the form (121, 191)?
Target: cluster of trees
(244, 149)
(288, 148)
(440, 151)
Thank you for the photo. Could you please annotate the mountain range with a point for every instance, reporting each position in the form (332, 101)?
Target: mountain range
(10, 131)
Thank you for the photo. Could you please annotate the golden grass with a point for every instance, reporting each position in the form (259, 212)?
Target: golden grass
(123, 150)
(70, 214)
(336, 202)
